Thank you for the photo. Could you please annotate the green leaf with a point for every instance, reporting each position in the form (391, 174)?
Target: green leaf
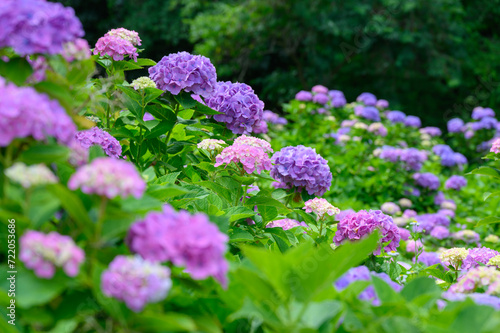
(16, 70)
(56, 91)
(268, 213)
(160, 129)
(203, 109)
(42, 206)
(488, 220)
(95, 152)
(217, 189)
(168, 178)
(145, 62)
(142, 205)
(131, 93)
(317, 313)
(185, 100)
(266, 201)
(385, 292)
(163, 192)
(240, 235)
(485, 171)
(238, 213)
(124, 65)
(420, 286)
(163, 322)
(151, 94)
(44, 154)
(161, 113)
(471, 319)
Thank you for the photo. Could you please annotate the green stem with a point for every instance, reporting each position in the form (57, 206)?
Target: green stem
(139, 148)
(243, 199)
(100, 218)
(176, 110)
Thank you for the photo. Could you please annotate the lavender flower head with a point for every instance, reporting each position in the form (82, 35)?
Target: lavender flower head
(484, 123)
(344, 213)
(427, 222)
(357, 225)
(455, 125)
(241, 108)
(440, 232)
(301, 168)
(37, 26)
(97, 136)
(186, 240)
(261, 127)
(28, 176)
(129, 35)
(413, 158)
(382, 104)
(368, 112)
(108, 177)
(115, 47)
(319, 89)
(321, 207)
(478, 298)
(413, 246)
(467, 236)
(478, 279)
(479, 113)
(24, 112)
(477, 256)
(396, 116)
(427, 180)
(76, 50)
(404, 233)
(390, 208)
(286, 224)
(184, 71)
(255, 142)
(455, 183)
(252, 158)
(304, 96)
(44, 252)
(428, 258)
(273, 118)
(337, 98)
(412, 121)
(430, 130)
(135, 281)
(367, 99)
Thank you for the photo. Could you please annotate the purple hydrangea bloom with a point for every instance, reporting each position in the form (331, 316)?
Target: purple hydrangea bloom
(447, 212)
(367, 99)
(319, 89)
(76, 50)
(390, 153)
(184, 239)
(273, 118)
(404, 233)
(301, 168)
(480, 113)
(440, 232)
(362, 273)
(24, 112)
(368, 112)
(357, 225)
(455, 125)
(241, 108)
(40, 65)
(478, 255)
(135, 281)
(148, 116)
(427, 180)
(441, 149)
(455, 182)
(321, 98)
(478, 298)
(439, 198)
(412, 121)
(396, 116)
(184, 71)
(116, 48)
(37, 26)
(427, 222)
(484, 123)
(304, 96)
(337, 98)
(382, 104)
(261, 128)
(97, 136)
(344, 213)
(430, 130)
(286, 224)
(44, 252)
(468, 236)
(108, 177)
(413, 158)
(428, 258)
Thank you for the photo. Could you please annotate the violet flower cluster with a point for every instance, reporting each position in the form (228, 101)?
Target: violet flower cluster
(337, 98)
(455, 125)
(448, 157)
(427, 222)
(367, 99)
(455, 183)
(97, 136)
(186, 240)
(286, 224)
(427, 180)
(24, 112)
(478, 298)
(367, 112)
(115, 47)
(478, 256)
(411, 158)
(358, 225)
(108, 177)
(479, 113)
(396, 116)
(412, 121)
(468, 236)
(301, 168)
(44, 252)
(273, 118)
(135, 281)
(241, 108)
(428, 258)
(478, 279)
(37, 26)
(184, 71)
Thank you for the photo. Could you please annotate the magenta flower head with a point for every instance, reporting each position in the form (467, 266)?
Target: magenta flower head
(358, 225)
(184, 239)
(382, 104)
(301, 168)
(24, 112)
(440, 232)
(478, 256)
(130, 35)
(115, 47)
(252, 158)
(414, 246)
(97, 136)
(455, 183)
(478, 279)
(427, 180)
(261, 128)
(251, 141)
(241, 108)
(108, 177)
(468, 236)
(135, 281)
(304, 96)
(37, 26)
(184, 71)
(44, 252)
(286, 224)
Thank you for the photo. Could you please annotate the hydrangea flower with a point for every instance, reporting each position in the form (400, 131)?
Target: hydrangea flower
(432, 131)
(479, 113)
(135, 281)
(37, 26)
(321, 98)
(28, 176)
(211, 145)
(467, 236)
(108, 177)
(241, 108)
(142, 83)
(377, 129)
(448, 204)
(319, 89)
(186, 240)
(24, 112)
(478, 279)
(40, 65)
(454, 256)
(273, 118)
(337, 98)
(97, 136)
(344, 213)
(428, 258)
(413, 158)
(362, 273)
(304, 96)
(255, 142)
(455, 125)
(427, 180)
(478, 298)
(382, 104)
(405, 203)
(440, 232)
(368, 112)
(478, 255)
(412, 121)
(413, 246)
(495, 147)
(129, 35)
(286, 224)
(484, 123)
(357, 225)
(301, 168)
(44, 252)
(321, 207)
(367, 99)
(427, 222)
(396, 116)
(455, 183)
(404, 233)
(76, 50)
(390, 208)
(492, 239)
(261, 128)
(494, 261)
(184, 71)
(115, 47)
(252, 158)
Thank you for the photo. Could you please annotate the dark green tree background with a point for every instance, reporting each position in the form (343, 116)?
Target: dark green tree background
(436, 59)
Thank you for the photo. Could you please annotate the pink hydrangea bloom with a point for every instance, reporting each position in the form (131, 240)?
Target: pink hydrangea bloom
(477, 279)
(184, 239)
(129, 35)
(477, 256)
(115, 47)
(252, 158)
(135, 281)
(414, 246)
(495, 147)
(76, 50)
(108, 177)
(251, 141)
(321, 207)
(286, 224)
(44, 252)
